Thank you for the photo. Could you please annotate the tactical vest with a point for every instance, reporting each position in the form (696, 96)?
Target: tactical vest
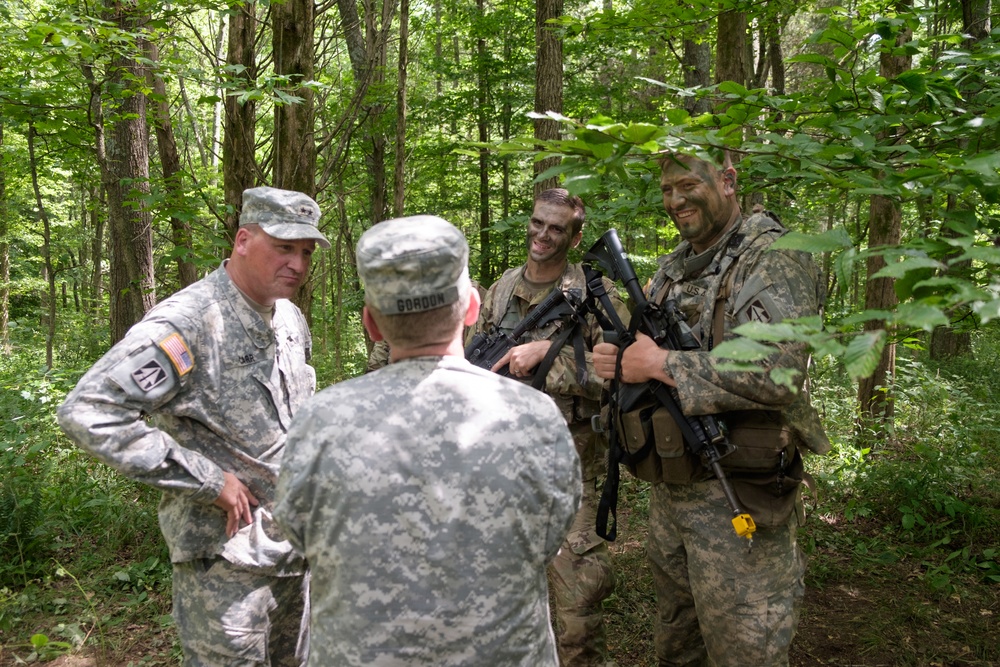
(766, 468)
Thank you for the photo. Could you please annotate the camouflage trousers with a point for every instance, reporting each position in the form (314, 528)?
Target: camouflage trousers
(228, 616)
(580, 578)
(717, 603)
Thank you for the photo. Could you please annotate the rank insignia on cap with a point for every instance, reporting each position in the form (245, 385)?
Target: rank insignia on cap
(177, 350)
(149, 375)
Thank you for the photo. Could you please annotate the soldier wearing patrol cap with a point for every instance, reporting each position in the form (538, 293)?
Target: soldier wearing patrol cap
(219, 369)
(429, 495)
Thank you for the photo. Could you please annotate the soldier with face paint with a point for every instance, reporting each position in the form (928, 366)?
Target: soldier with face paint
(718, 602)
(582, 575)
(196, 400)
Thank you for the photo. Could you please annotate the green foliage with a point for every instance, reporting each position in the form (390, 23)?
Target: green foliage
(932, 490)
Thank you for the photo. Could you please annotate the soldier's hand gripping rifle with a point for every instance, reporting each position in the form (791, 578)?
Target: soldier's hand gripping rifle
(486, 349)
(666, 325)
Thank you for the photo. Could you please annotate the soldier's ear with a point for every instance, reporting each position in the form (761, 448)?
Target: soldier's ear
(370, 326)
(729, 180)
(475, 303)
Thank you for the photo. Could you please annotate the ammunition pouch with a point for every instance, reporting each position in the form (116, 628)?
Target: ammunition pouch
(765, 469)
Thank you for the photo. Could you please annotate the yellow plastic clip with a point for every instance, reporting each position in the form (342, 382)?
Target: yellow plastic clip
(744, 525)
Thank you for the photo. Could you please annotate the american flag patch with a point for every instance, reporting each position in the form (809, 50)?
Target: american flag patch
(177, 350)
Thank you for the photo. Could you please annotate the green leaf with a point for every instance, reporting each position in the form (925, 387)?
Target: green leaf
(863, 354)
(39, 640)
(989, 310)
(640, 133)
(900, 269)
(921, 315)
(829, 241)
(742, 349)
(913, 81)
(787, 377)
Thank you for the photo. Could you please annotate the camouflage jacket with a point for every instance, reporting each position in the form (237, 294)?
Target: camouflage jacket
(428, 497)
(765, 285)
(219, 386)
(576, 402)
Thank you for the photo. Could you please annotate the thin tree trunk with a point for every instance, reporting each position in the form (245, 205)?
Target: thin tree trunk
(482, 83)
(4, 255)
(50, 276)
(731, 48)
(239, 167)
(399, 184)
(885, 215)
(548, 82)
(97, 208)
(294, 145)
(170, 161)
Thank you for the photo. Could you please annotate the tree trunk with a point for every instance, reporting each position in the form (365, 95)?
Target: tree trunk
(731, 48)
(696, 63)
(294, 144)
(294, 147)
(399, 183)
(975, 20)
(482, 96)
(97, 208)
(130, 222)
(548, 82)
(239, 166)
(4, 255)
(47, 269)
(166, 145)
(874, 393)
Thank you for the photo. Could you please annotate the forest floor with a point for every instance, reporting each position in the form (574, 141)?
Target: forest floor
(882, 615)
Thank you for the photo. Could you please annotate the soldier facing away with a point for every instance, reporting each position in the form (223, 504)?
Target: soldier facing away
(219, 369)
(718, 602)
(428, 496)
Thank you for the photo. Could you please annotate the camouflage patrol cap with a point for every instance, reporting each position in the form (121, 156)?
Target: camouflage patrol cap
(283, 214)
(410, 265)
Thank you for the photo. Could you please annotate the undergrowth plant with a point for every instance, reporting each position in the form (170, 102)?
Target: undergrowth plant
(929, 493)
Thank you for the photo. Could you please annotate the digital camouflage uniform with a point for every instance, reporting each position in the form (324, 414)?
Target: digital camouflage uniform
(428, 497)
(711, 592)
(581, 575)
(219, 385)
(379, 356)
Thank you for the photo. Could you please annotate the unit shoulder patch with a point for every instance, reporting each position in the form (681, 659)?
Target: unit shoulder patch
(149, 375)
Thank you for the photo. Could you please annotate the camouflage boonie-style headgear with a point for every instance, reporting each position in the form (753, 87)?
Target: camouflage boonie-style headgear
(283, 214)
(410, 265)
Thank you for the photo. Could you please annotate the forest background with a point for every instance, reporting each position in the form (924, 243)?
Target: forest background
(128, 131)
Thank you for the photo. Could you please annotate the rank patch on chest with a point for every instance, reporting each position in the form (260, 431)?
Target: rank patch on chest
(177, 350)
(149, 375)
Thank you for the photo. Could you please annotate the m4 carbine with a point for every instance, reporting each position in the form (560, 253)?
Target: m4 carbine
(486, 349)
(703, 435)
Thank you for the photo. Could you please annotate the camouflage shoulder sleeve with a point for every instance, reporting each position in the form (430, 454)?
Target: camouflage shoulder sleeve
(105, 412)
(770, 286)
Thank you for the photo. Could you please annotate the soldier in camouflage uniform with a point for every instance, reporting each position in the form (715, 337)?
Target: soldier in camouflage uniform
(428, 496)
(219, 368)
(582, 575)
(718, 602)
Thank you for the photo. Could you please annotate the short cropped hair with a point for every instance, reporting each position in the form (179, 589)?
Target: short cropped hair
(562, 197)
(429, 327)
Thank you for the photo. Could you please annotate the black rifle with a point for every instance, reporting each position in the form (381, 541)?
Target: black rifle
(486, 349)
(666, 325)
